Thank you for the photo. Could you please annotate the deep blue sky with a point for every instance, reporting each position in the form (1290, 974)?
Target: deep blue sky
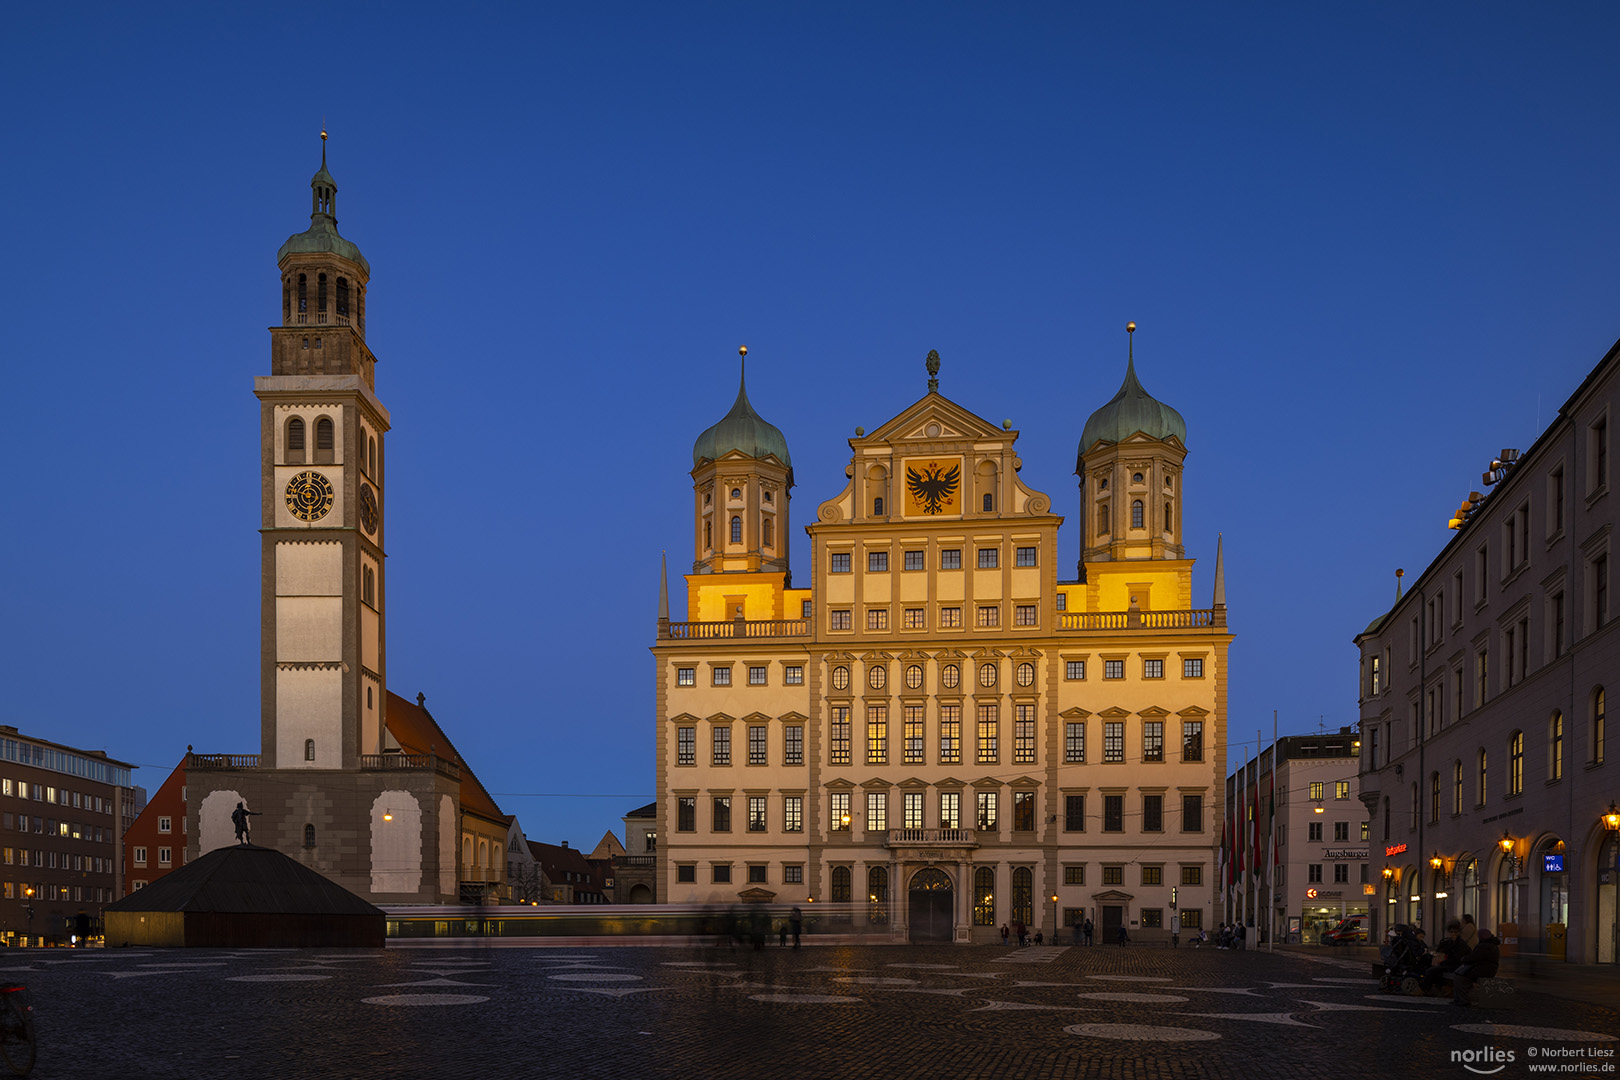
(1365, 246)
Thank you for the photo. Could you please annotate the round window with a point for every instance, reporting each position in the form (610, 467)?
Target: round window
(1026, 674)
(950, 675)
(736, 493)
(987, 674)
(1136, 478)
(840, 678)
(914, 676)
(876, 677)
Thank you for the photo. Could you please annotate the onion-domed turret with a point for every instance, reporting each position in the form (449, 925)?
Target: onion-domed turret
(744, 430)
(1131, 410)
(322, 234)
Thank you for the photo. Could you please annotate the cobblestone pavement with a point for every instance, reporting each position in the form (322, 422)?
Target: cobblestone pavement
(873, 1011)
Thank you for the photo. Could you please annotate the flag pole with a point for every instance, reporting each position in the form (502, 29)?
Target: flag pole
(1271, 868)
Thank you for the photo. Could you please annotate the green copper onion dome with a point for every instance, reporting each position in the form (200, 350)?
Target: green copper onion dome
(1133, 409)
(741, 429)
(322, 234)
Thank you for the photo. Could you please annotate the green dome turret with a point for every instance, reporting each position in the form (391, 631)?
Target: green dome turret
(322, 234)
(741, 429)
(1131, 410)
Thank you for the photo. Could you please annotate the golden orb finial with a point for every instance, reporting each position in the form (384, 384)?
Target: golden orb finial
(742, 350)
(1130, 328)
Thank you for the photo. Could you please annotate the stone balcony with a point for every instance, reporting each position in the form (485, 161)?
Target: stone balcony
(1067, 622)
(931, 838)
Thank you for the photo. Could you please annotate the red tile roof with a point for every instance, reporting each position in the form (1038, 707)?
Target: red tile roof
(414, 728)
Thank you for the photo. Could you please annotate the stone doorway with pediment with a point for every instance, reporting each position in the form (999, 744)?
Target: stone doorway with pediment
(931, 906)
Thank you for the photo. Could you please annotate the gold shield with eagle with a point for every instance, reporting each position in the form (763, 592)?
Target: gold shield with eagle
(933, 487)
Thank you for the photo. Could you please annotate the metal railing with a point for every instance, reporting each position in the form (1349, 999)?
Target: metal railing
(739, 628)
(931, 838)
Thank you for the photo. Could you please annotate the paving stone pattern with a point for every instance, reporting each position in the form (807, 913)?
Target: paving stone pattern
(847, 1013)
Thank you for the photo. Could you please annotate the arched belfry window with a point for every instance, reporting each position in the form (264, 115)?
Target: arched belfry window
(1136, 513)
(309, 749)
(303, 292)
(736, 530)
(1169, 519)
(767, 533)
(286, 300)
(877, 507)
(368, 586)
(320, 293)
(708, 535)
(342, 296)
(295, 436)
(1102, 519)
(323, 434)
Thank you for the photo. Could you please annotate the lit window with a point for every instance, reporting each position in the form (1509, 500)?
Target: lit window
(950, 617)
(686, 676)
(840, 811)
(1024, 615)
(877, 676)
(1153, 740)
(916, 618)
(840, 678)
(1114, 740)
(989, 615)
(793, 745)
(914, 676)
(793, 813)
(793, 675)
(950, 675)
(756, 814)
(1074, 742)
(758, 736)
(1025, 675)
(686, 746)
(722, 746)
(877, 618)
(987, 674)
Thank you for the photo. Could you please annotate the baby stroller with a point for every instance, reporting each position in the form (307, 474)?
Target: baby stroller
(1404, 962)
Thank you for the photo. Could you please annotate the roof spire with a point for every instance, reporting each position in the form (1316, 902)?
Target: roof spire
(663, 589)
(933, 371)
(1220, 571)
(323, 142)
(1398, 575)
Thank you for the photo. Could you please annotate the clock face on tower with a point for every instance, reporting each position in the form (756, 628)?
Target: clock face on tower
(309, 496)
(368, 508)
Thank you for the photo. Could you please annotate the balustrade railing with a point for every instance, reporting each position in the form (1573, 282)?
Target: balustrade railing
(932, 838)
(635, 860)
(388, 762)
(1142, 620)
(739, 628)
(222, 761)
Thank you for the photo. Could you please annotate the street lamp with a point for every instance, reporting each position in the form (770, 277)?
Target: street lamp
(1436, 862)
(1054, 919)
(28, 894)
(1611, 820)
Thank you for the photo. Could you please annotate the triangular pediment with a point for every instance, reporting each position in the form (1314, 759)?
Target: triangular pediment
(1076, 713)
(987, 782)
(1193, 710)
(1153, 712)
(684, 718)
(1024, 782)
(721, 718)
(1112, 894)
(951, 783)
(754, 718)
(913, 782)
(1114, 712)
(756, 895)
(840, 784)
(793, 717)
(876, 784)
(912, 424)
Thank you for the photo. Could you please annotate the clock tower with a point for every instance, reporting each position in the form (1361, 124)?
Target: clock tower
(323, 653)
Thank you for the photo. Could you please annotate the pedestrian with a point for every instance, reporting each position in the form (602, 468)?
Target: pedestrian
(1006, 935)
(1479, 963)
(1038, 937)
(1470, 932)
(796, 924)
(1022, 931)
(1449, 952)
(1123, 938)
(1088, 932)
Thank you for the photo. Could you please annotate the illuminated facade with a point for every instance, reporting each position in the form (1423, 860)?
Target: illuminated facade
(943, 729)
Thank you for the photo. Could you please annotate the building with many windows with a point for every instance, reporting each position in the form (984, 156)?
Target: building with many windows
(944, 732)
(155, 842)
(1484, 704)
(64, 810)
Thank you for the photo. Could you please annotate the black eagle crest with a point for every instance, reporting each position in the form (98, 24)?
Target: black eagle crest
(931, 487)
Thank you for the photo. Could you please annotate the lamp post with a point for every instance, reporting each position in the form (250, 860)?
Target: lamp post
(28, 894)
(1054, 919)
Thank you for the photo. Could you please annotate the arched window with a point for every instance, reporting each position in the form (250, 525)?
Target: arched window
(1515, 780)
(309, 749)
(483, 854)
(1598, 725)
(1484, 777)
(320, 293)
(303, 293)
(877, 507)
(368, 586)
(877, 893)
(1136, 513)
(708, 535)
(1023, 895)
(1102, 519)
(1434, 797)
(1555, 746)
(466, 852)
(767, 533)
(323, 439)
(1169, 519)
(984, 896)
(1456, 787)
(309, 836)
(840, 885)
(286, 300)
(342, 296)
(295, 436)
(373, 455)
(736, 530)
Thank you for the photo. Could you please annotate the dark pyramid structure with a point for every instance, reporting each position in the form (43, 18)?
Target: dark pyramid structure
(244, 897)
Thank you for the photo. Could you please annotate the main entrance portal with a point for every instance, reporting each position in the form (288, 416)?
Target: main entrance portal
(931, 907)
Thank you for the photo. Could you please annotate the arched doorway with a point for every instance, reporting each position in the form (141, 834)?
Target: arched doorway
(932, 902)
(1608, 893)
(1554, 897)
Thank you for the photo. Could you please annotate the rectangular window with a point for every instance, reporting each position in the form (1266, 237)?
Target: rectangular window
(950, 617)
(1024, 615)
(721, 873)
(989, 558)
(1341, 789)
(1314, 832)
(686, 875)
(1314, 872)
(1192, 740)
(721, 821)
(1113, 669)
(1192, 668)
(756, 813)
(912, 809)
(1153, 669)
(793, 745)
(1074, 742)
(1063, 601)
(1152, 875)
(722, 746)
(950, 559)
(758, 737)
(877, 811)
(838, 736)
(756, 674)
(722, 676)
(840, 811)
(916, 618)
(1074, 670)
(1153, 813)
(989, 615)
(1192, 875)
(1192, 813)
(1114, 740)
(1316, 790)
(1074, 874)
(793, 675)
(877, 734)
(839, 563)
(793, 813)
(877, 618)
(793, 874)
(1113, 813)
(950, 734)
(915, 560)
(1341, 873)
(989, 725)
(686, 746)
(1152, 918)
(1074, 813)
(1153, 740)
(757, 875)
(877, 562)
(140, 857)
(839, 619)
(1113, 875)
(950, 809)
(686, 814)
(1023, 734)
(989, 807)
(686, 676)
(1023, 811)
(1025, 556)
(913, 734)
